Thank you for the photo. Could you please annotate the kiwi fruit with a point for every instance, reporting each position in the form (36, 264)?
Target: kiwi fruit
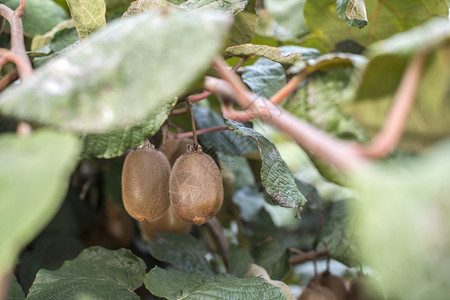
(145, 184)
(332, 282)
(317, 293)
(168, 223)
(195, 187)
(365, 288)
(174, 148)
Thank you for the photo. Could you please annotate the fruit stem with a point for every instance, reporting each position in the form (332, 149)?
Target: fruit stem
(194, 130)
(165, 130)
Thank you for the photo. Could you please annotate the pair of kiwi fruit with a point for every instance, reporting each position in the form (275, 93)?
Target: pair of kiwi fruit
(326, 286)
(191, 191)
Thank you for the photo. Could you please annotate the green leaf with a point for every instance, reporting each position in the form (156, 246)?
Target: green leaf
(181, 250)
(273, 257)
(289, 14)
(338, 234)
(15, 290)
(244, 25)
(40, 41)
(116, 142)
(249, 201)
(88, 15)
(428, 121)
(194, 285)
(266, 77)
(271, 53)
(385, 18)
(261, 227)
(317, 100)
(140, 6)
(275, 174)
(96, 272)
(230, 7)
(33, 181)
(108, 81)
(238, 260)
(353, 12)
(403, 223)
(33, 21)
(225, 141)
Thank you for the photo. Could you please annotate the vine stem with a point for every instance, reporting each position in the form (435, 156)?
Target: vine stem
(17, 39)
(342, 154)
(198, 132)
(5, 281)
(302, 257)
(194, 129)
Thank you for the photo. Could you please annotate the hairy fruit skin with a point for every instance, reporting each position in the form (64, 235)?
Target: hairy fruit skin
(175, 148)
(145, 184)
(195, 187)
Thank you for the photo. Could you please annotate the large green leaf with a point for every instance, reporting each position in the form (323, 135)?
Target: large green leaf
(225, 141)
(274, 258)
(238, 260)
(385, 19)
(317, 100)
(97, 272)
(33, 21)
(403, 224)
(428, 121)
(181, 250)
(15, 290)
(33, 180)
(231, 6)
(194, 285)
(353, 12)
(244, 25)
(88, 15)
(289, 14)
(140, 6)
(117, 142)
(338, 234)
(271, 53)
(115, 78)
(275, 174)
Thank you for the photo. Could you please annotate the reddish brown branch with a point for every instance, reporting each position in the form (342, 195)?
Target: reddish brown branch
(342, 154)
(5, 281)
(178, 111)
(199, 132)
(288, 88)
(220, 240)
(302, 257)
(199, 97)
(17, 39)
(9, 78)
(389, 136)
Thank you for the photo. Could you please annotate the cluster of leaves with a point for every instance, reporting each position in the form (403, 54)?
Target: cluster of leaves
(109, 73)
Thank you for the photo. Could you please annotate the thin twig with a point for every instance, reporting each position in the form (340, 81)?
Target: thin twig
(199, 132)
(194, 129)
(8, 79)
(302, 257)
(216, 231)
(288, 88)
(178, 111)
(198, 97)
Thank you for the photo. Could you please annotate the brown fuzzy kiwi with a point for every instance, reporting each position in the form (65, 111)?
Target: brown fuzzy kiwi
(317, 293)
(334, 283)
(365, 288)
(174, 148)
(145, 184)
(195, 187)
(169, 223)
